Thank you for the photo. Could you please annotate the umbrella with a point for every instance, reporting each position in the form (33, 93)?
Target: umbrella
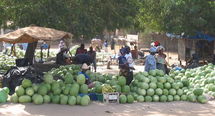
(32, 34)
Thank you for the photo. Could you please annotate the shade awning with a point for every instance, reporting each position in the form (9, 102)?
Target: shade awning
(34, 33)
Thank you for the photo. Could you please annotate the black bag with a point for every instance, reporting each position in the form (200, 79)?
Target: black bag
(15, 75)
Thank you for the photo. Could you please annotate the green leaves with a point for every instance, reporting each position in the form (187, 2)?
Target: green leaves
(80, 17)
(178, 16)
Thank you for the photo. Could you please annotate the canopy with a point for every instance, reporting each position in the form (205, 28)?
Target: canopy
(34, 33)
(198, 35)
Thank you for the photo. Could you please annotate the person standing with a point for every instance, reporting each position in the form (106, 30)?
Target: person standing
(130, 61)
(81, 50)
(112, 44)
(160, 58)
(92, 54)
(106, 46)
(123, 64)
(150, 63)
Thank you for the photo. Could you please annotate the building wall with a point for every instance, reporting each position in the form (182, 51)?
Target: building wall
(168, 43)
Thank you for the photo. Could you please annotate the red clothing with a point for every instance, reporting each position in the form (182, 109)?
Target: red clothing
(156, 43)
(80, 51)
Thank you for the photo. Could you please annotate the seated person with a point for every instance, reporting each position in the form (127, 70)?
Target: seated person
(84, 69)
(62, 57)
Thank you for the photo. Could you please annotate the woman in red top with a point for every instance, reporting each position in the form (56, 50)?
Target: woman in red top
(81, 50)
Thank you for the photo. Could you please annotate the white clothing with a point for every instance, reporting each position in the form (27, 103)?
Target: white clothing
(129, 59)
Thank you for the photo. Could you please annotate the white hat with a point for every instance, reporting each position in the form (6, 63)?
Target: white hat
(153, 49)
(85, 66)
(160, 48)
(152, 44)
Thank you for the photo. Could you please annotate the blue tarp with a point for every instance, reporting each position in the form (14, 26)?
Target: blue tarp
(198, 35)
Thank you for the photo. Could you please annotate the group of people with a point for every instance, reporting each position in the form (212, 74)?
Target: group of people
(81, 56)
(156, 58)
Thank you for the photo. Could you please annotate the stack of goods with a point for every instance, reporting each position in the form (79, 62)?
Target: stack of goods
(61, 91)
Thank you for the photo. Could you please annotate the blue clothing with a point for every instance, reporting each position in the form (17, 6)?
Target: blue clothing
(25, 46)
(86, 76)
(122, 61)
(150, 63)
(106, 44)
(45, 46)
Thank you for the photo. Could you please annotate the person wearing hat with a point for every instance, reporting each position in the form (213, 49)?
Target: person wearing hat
(123, 65)
(62, 57)
(160, 59)
(150, 63)
(83, 71)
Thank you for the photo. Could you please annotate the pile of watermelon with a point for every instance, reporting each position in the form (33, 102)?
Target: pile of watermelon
(107, 83)
(64, 85)
(155, 86)
(6, 62)
(200, 82)
(62, 91)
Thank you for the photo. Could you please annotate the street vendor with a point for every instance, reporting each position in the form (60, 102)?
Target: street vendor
(130, 61)
(62, 57)
(61, 45)
(150, 63)
(83, 71)
(160, 59)
(123, 64)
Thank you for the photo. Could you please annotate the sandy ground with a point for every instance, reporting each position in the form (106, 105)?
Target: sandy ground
(100, 109)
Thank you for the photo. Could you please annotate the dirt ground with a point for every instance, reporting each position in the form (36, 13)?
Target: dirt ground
(100, 109)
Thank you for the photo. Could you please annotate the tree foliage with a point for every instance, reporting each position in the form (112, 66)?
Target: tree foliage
(80, 17)
(178, 16)
(92, 17)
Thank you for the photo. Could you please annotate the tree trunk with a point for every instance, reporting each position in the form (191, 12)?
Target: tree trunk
(30, 52)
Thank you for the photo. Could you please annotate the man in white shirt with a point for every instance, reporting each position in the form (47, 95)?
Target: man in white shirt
(130, 61)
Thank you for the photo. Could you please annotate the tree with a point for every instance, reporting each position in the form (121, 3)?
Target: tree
(178, 16)
(80, 17)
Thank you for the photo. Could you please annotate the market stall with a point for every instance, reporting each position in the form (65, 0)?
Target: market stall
(32, 35)
(200, 47)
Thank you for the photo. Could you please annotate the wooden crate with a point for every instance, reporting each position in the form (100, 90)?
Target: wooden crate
(111, 97)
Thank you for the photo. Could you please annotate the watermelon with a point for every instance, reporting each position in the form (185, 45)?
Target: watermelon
(202, 99)
(150, 92)
(198, 91)
(122, 99)
(121, 81)
(81, 79)
(163, 98)
(130, 99)
(140, 99)
(26, 83)
(148, 98)
(155, 98)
